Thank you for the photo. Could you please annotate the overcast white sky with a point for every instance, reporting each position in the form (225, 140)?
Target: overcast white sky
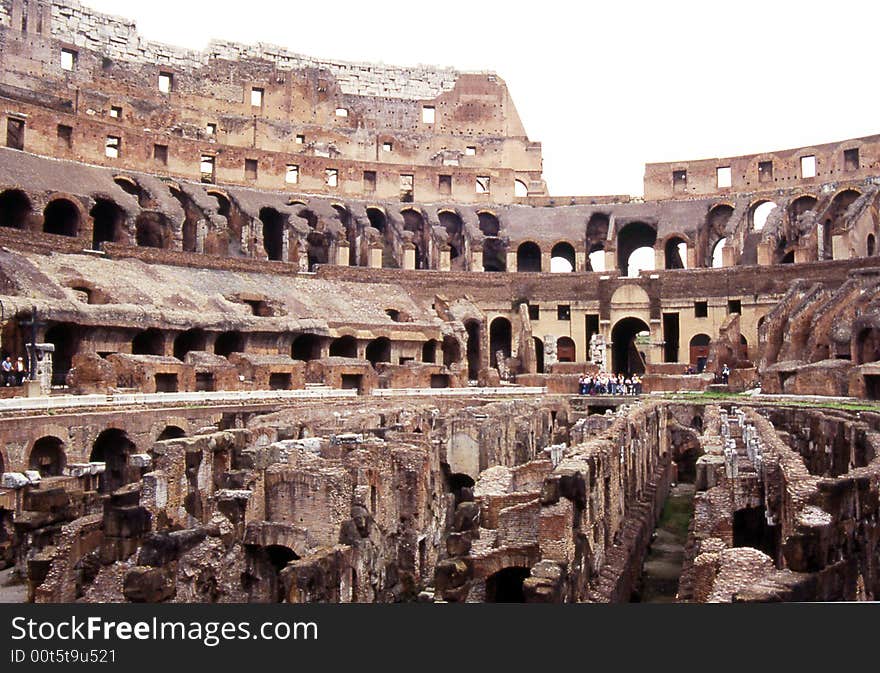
(605, 87)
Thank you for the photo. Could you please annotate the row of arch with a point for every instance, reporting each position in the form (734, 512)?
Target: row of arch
(113, 446)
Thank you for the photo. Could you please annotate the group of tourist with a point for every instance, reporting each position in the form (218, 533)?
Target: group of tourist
(610, 384)
(13, 373)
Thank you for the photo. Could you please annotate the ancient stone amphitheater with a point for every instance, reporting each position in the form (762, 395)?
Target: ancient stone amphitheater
(302, 330)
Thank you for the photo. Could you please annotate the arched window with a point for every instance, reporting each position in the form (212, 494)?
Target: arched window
(562, 258)
(109, 223)
(718, 254)
(528, 257)
(15, 209)
(273, 233)
(228, 343)
(379, 350)
(675, 253)
(48, 457)
(345, 347)
(148, 342)
(759, 213)
(500, 339)
(61, 217)
(566, 350)
(635, 237)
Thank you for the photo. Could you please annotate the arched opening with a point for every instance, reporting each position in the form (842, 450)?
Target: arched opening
(520, 189)
(349, 224)
(171, 432)
(675, 253)
(474, 349)
(379, 350)
(506, 586)
(629, 336)
(15, 209)
(48, 457)
(192, 214)
(634, 237)
(451, 351)
(528, 257)
(489, 224)
(61, 217)
(699, 351)
(130, 186)
(414, 222)
(716, 229)
(318, 249)
(273, 233)
(870, 245)
(718, 254)
(500, 340)
(306, 347)
(494, 255)
(113, 448)
(228, 343)
(759, 213)
(597, 234)
(801, 205)
(192, 340)
(562, 258)
(839, 205)
(539, 355)
(148, 342)
(566, 351)
(429, 351)
(65, 338)
(380, 223)
(152, 230)
(454, 227)
(109, 223)
(344, 347)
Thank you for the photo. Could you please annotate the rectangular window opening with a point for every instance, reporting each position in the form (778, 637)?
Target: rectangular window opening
(68, 59)
(369, 181)
(331, 177)
(470, 151)
(211, 129)
(534, 312)
(387, 147)
(679, 180)
(723, 177)
(341, 112)
(808, 166)
(207, 169)
(563, 312)
(116, 112)
(483, 184)
(851, 159)
(734, 306)
(111, 147)
(701, 309)
(65, 136)
(15, 133)
(250, 169)
(166, 82)
(406, 188)
(765, 171)
(444, 184)
(256, 97)
(428, 114)
(300, 139)
(291, 175)
(160, 154)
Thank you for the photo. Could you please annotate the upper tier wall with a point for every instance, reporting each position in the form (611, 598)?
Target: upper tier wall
(392, 132)
(847, 160)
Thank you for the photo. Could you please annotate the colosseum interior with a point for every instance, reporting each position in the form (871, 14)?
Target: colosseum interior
(298, 330)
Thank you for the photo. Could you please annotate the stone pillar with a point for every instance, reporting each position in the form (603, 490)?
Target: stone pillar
(691, 257)
(477, 260)
(511, 261)
(550, 352)
(409, 257)
(659, 258)
(545, 261)
(375, 261)
(611, 262)
(445, 260)
(765, 255)
(342, 253)
(840, 246)
(42, 355)
(580, 261)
